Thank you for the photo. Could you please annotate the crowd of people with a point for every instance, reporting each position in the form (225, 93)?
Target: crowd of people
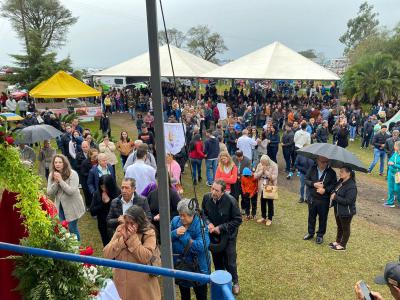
(241, 167)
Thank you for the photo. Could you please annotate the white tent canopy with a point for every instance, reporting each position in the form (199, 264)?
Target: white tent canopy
(275, 61)
(186, 65)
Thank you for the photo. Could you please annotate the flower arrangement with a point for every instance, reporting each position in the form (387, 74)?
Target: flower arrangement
(44, 278)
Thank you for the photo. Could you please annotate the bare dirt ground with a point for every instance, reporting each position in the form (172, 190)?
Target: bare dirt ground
(371, 191)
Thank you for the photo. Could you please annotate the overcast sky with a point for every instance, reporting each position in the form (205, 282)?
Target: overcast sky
(109, 32)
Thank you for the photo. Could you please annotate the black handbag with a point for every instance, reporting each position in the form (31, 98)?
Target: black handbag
(183, 264)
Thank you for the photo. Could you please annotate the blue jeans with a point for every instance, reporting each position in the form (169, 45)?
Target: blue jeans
(196, 168)
(303, 192)
(72, 225)
(211, 169)
(353, 132)
(132, 112)
(378, 155)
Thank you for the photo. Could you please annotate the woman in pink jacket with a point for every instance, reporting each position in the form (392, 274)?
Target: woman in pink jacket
(174, 169)
(226, 170)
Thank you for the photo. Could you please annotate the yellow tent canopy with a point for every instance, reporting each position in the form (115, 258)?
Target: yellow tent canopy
(62, 85)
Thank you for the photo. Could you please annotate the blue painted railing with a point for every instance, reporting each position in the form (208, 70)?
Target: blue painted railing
(220, 281)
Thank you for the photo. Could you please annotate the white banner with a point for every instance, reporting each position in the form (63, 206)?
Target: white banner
(174, 137)
(223, 114)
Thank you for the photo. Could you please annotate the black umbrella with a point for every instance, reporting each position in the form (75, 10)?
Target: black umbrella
(338, 156)
(36, 133)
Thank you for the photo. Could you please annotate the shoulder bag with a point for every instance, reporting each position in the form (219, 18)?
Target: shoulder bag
(270, 191)
(183, 264)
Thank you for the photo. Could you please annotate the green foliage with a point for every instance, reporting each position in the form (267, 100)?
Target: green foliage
(310, 53)
(49, 19)
(175, 37)
(43, 25)
(372, 78)
(43, 278)
(361, 27)
(33, 70)
(205, 44)
(68, 118)
(21, 180)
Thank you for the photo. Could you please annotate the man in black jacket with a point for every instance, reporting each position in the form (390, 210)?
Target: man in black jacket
(321, 181)
(128, 198)
(223, 218)
(367, 133)
(379, 141)
(322, 134)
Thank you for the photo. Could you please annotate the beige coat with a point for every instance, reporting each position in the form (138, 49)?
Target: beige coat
(67, 193)
(139, 248)
(109, 151)
(269, 172)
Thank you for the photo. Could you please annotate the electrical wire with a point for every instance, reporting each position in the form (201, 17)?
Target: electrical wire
(194, 203)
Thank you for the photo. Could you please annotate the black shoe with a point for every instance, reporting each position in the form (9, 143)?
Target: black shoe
(335, 248)
(319, 240)
(301, 200)
(308, 237)
(200, 179)
(194, 182)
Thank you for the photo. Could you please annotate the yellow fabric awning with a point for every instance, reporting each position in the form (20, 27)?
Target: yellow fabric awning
(63, 85)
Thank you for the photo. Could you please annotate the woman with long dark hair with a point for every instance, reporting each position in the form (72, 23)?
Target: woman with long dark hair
(343, 200)
(63, 188)
(135, 241)
(107, 191)
(124, 146)
(273, 145)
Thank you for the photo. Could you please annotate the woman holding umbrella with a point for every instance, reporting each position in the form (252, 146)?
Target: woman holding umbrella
(343, 200)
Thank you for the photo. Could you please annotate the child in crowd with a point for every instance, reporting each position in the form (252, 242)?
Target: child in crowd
(249, 193)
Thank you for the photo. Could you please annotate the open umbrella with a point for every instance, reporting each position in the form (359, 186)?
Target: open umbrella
(36, 133)
(338, 156)
(11, 116)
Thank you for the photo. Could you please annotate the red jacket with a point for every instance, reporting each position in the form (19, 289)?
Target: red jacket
(249, 185)
(197, 152)
(228, 178)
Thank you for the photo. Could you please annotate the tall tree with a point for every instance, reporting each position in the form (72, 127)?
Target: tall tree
(374, 77)
(42, 25)
(359, 28)
(204, 43)
(310, 53)
(175, 37)
(49, 19)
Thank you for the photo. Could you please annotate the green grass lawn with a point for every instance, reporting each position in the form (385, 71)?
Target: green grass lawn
(275, 263)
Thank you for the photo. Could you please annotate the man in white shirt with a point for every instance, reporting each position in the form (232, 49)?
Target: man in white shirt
(245, 144)
(150, 160)
(11, 105)
(141, 172)
(302, 137)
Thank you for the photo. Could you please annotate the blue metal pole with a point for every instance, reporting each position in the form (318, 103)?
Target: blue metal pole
(221, 285)
(203, 278)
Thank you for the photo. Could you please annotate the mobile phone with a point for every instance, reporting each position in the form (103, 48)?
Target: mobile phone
(365, 291)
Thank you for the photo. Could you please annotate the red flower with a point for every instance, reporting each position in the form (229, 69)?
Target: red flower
(94, 293)
(88, 251)
(1, 133)
(65, 224)
(10, 140)
(56, 230)
(48, 206)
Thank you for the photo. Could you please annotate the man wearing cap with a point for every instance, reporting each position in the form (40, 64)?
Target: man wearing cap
(320, 180)
(379, 141)
(390, 277)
